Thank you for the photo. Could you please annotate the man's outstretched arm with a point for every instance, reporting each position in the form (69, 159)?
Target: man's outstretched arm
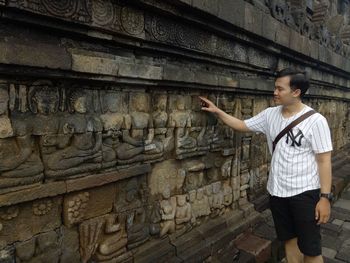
(229, 120)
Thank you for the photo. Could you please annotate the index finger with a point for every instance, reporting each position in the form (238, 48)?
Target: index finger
(204, 99)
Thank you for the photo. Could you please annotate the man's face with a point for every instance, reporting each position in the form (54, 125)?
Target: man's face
(283, 94)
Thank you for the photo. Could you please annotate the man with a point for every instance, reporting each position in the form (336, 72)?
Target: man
(300, 178)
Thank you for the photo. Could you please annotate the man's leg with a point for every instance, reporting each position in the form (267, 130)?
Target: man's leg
(308, 232)
(316, 259)
(284, 225)
(293, 254)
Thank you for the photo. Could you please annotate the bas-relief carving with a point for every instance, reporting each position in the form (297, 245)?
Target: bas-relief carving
(20, 161)
(104, 238)
(78, 11)
(138, 135)
(108, 14)
(180, 125)
(132, 197)
(113, 121)
(44, 247)
(80, 131)
(163, 138)
(77, 149)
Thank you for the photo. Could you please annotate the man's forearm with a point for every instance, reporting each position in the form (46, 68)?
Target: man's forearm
(325, 172)
(232, 122)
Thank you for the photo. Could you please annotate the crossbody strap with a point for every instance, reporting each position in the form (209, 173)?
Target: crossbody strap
(291, 126)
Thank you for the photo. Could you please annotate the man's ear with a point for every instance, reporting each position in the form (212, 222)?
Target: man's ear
(297, 92)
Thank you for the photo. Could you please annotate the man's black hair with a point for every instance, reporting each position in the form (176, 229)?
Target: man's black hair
(298, 79)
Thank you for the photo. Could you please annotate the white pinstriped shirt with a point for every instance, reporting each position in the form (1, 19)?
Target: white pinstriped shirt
(293, 166)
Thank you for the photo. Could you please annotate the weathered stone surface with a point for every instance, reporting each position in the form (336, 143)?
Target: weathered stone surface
(115, 128)
(21, 222)
(328, 253)
(70, 245)
(260, 248)
(78, 206)
(105, 178)
(155, 250)
(44, 56)
(7, 255)
(44, 247)
(344, 252)
(32, 193)
(343, 204)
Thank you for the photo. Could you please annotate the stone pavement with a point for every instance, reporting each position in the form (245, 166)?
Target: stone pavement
(260, 244)
(336, 233)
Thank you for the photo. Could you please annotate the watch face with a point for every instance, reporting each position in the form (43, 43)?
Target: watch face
(328, 196)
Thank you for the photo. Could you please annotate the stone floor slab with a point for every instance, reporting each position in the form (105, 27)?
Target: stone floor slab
(328, 252)
(343, 203)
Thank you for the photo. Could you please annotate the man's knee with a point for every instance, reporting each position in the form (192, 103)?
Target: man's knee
(293, 253)
(313, 259)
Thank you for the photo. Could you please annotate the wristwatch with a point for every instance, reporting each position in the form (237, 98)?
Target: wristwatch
(329, 196)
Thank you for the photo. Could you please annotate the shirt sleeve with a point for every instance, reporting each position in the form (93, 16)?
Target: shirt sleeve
(321, 140)
(258, 123)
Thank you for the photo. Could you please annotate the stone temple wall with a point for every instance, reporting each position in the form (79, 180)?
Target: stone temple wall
(105, 155)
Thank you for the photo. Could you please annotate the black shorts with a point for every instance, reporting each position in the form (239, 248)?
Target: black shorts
(295, 217)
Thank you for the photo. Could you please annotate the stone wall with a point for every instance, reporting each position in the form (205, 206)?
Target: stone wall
(105, 155)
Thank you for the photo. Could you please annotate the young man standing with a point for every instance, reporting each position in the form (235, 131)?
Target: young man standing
(300, 178)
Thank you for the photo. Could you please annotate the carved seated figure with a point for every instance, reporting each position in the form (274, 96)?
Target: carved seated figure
(113, 123)
(136, 226)
(218, 200)
(168, 211)
(78, 147)
(192, 195)
(138, 134)
(228, 193)
(180, 122)
(183, 211)
(163, 139)
(199, 127)
(19, 157)
(114, 242)
(202, 203)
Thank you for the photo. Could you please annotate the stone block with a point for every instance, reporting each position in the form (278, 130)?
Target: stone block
(328, 252)
(269, 27)
(214, 226)
(70, 245)
(209, 6)
(159, 250)
(253, 19)
(263, 230)
(36, 192)
(186, 242)
(175, 73)
(231, 11)
(295, 41)
(95, 64)
(42, 248)
(331, 229)
(344, 252)
(25, 48)
(206, 78)
(283, 35)
(198, 252)
(7, 255)
(259, 247)
(338, 185)
(82, 205)
(106, 178)
(21, 222)
(343, 204)
(141, 71)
